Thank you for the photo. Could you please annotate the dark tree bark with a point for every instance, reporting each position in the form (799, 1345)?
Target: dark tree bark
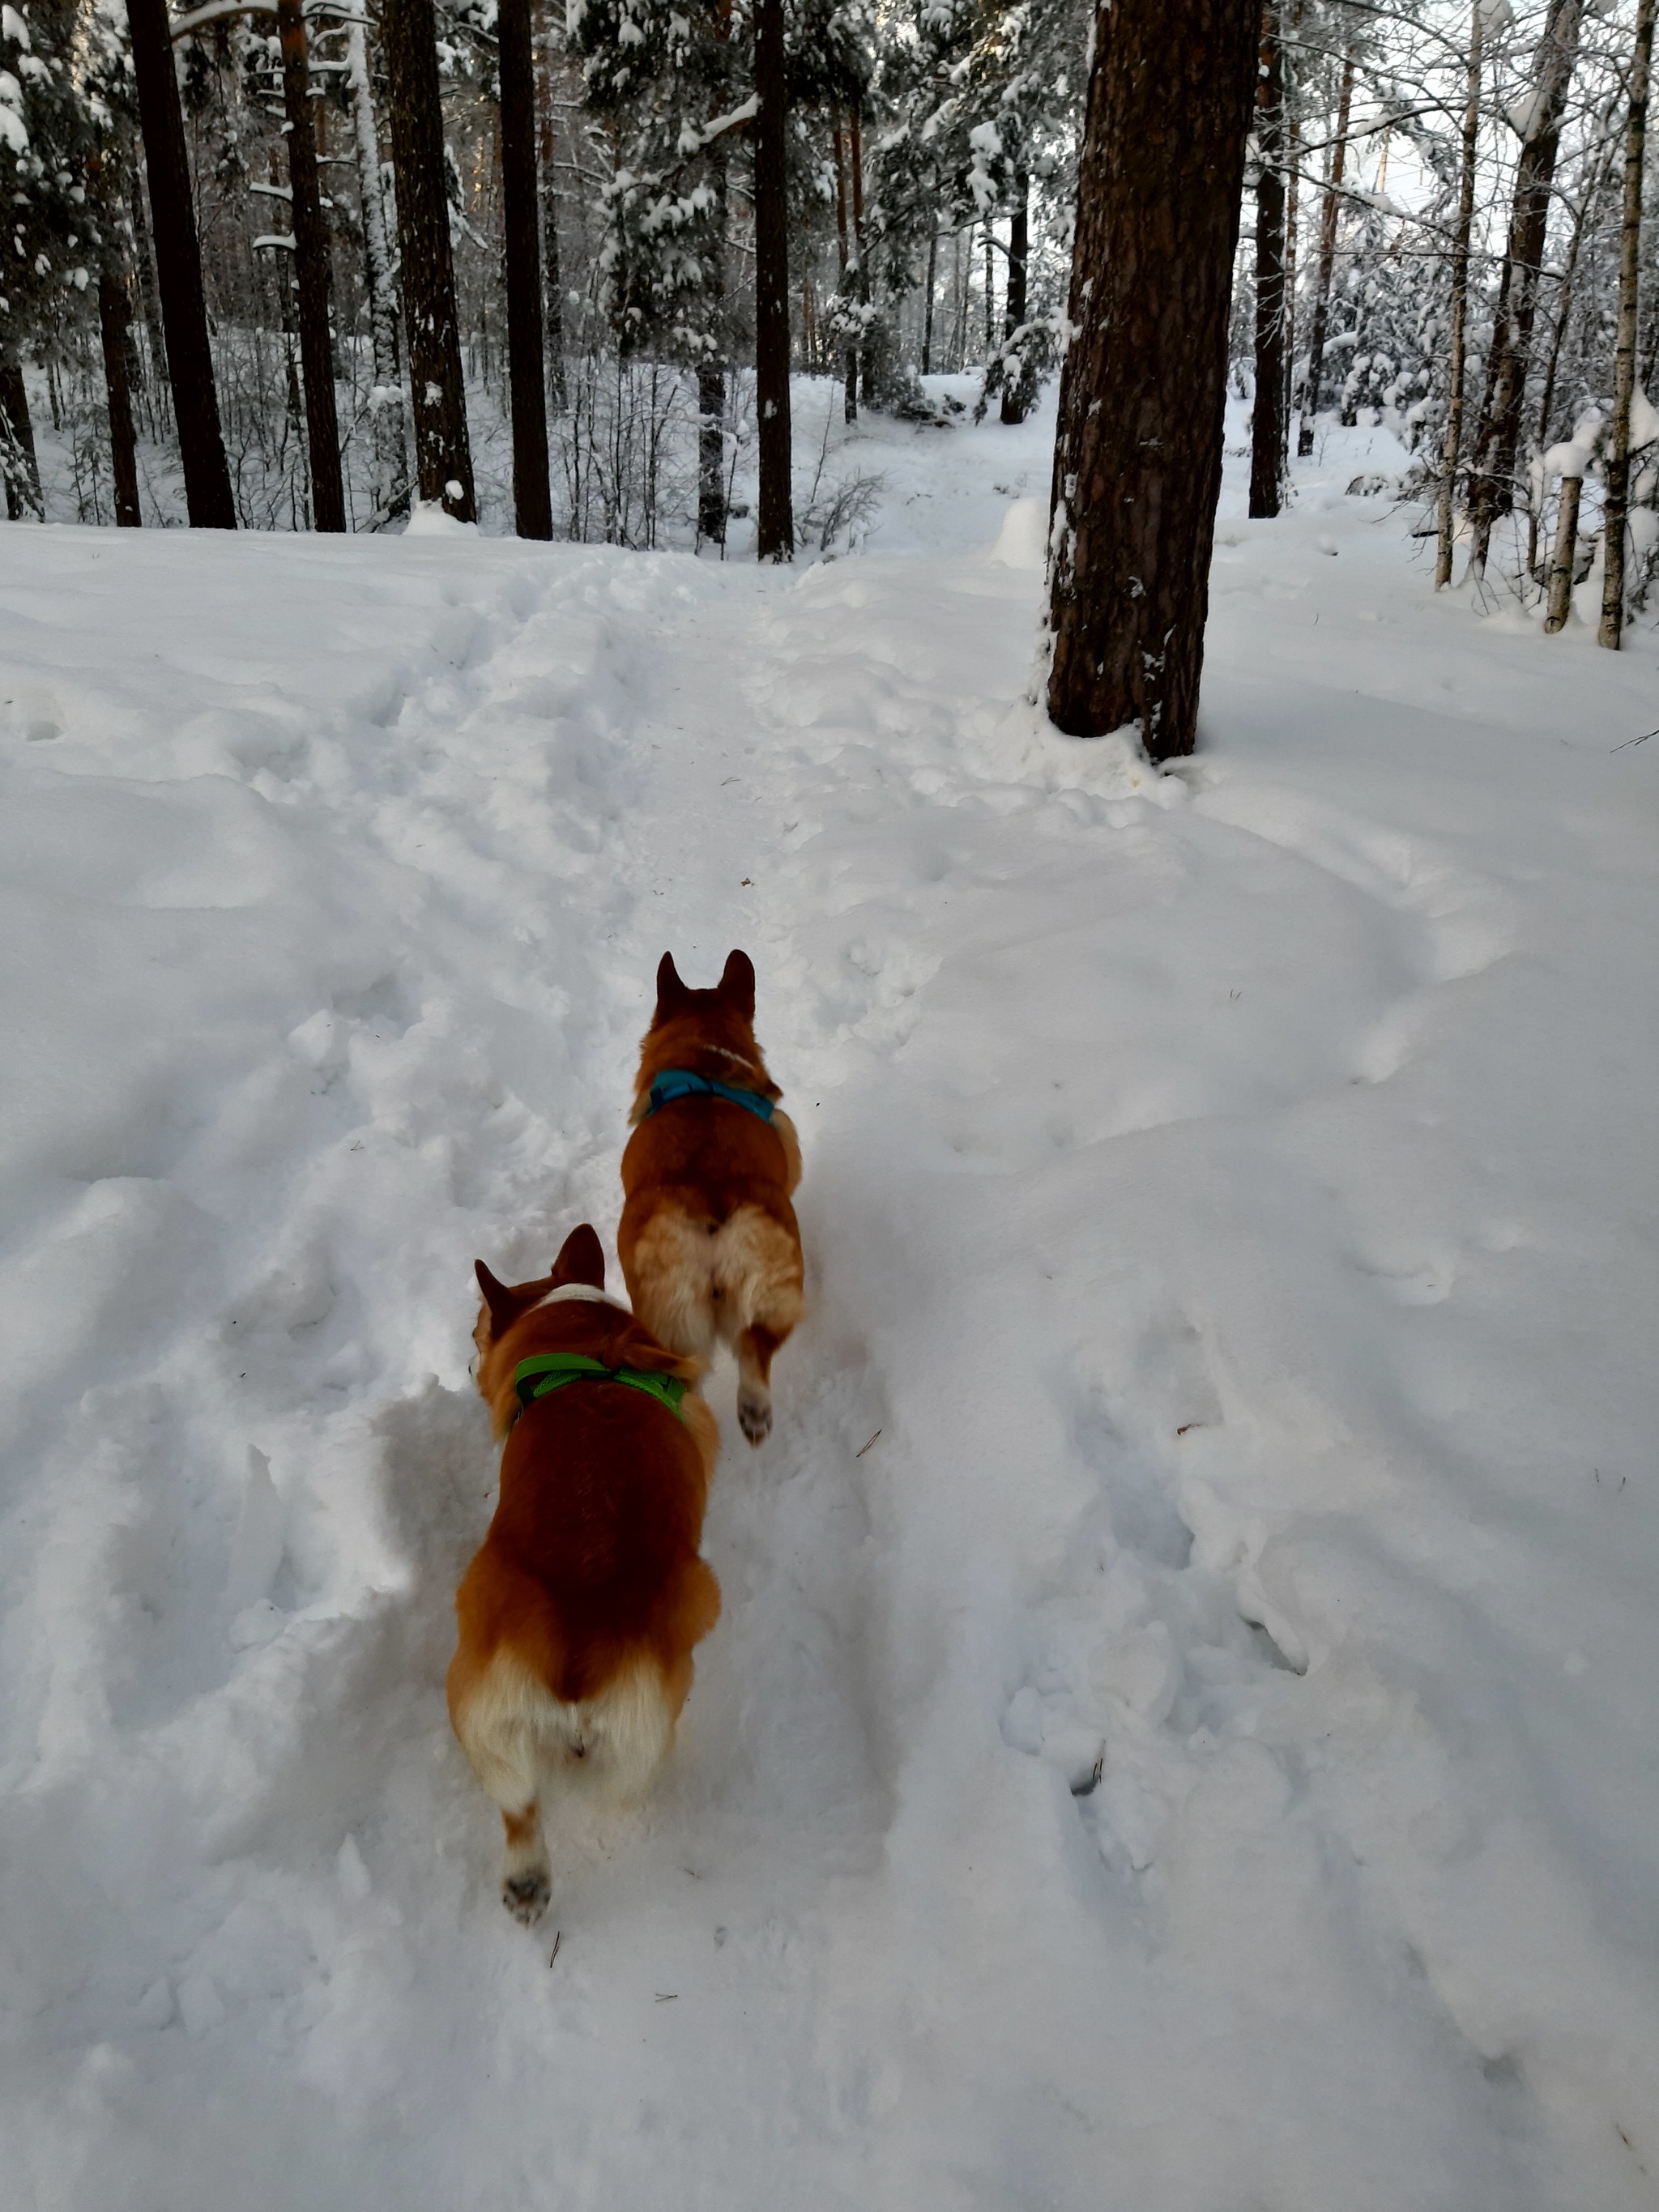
(532, 498)
(1617, 504)
(777, 520)
(1491, 493)
(443, 454)
(990, 293)
(208, 497)
(1267, 417)
(1321, 308)
(867, 358)
(847, 268)
(311, 269)
(1138, 455)
(18, 463)
(155, 385)
(711, 375)
(112, 319)
(1016, 398)
(927, 306)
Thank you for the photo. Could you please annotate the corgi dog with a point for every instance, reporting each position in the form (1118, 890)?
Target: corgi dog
(709, 1246)
(579, 1616)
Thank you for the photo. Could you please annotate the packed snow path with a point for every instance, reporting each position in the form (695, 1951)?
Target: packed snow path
(1200, 1754)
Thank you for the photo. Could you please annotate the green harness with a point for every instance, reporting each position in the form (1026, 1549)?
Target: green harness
(550, 1371)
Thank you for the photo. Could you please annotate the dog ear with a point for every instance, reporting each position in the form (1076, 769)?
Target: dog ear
(738, 984)
(502, 1302)
(672, 994)
(581, 1260)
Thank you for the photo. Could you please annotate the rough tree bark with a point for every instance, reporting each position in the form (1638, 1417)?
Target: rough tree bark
(1267, 416)
(552, 271)
(849, 279)
(1561, 567)
(1016, 400)
(526, 367)
(18, 461)
(112, 320)
(927, 306)
(711, 374)
(1321, 307)
(1451, 452)
(1616, 505)
(1491, 492)
(312, 271)
(990, 293)
(1138, 454)
(776, 532)
(386, 400)
(443, 454)
(208, 498)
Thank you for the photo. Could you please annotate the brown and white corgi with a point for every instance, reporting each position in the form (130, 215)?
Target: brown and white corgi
(709, 1240)
(578, 1615)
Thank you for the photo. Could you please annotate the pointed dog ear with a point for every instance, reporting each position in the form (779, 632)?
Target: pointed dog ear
(502, 1302)
(738, 984)
(672, 994)
(581, 1260)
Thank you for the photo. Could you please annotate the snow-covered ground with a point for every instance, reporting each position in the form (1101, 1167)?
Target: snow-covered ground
(1229, 1211)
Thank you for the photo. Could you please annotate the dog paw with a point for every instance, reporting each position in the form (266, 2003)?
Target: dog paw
(525, 1894)
(754, 1416)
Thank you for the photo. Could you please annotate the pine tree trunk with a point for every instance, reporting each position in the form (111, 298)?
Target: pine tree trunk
(844, 252)
(776, 521)
(1267, 459)
(1451, 452)
(1492, 491)
(532, 498)
(112, 318)
(1617, 503)
(552, 269)
(18, 456)
(928, 306)
(208, 497)
(1319, 327)
(155, 384)
(711, 374)
(386, 400)
(311, 270)
(1016, 398)
(443, 454)
(990, 295)
(1138, 454)
(864, 354)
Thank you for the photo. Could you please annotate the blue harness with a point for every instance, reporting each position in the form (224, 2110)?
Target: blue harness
(675, 1083)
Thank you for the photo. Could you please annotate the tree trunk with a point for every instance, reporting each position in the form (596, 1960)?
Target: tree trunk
(386, 399)
(1617, 503)
(865, 353)
(1138, 455)
(552, 271)
(1015, 397)
(18, 456)
(112, 318)
(1584, 218)
(1566, 546)
(711, 374)
(990, 295)
(849, 281)
(928, 306)
(1267, 459)
(155, 384)
(1318, 330)
(443, 455)
(1492, 492)
(777, 520)
(311, 269)
(533, 497)
(208, 497)
(1451, 451)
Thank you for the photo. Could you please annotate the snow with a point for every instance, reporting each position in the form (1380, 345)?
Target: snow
(1228, 1374)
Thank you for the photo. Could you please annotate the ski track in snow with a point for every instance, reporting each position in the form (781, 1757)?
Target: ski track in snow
(1178, 1762)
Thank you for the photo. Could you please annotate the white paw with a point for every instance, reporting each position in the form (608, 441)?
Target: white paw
(755, 1414)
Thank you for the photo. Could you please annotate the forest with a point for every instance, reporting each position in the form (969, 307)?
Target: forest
(535, 266)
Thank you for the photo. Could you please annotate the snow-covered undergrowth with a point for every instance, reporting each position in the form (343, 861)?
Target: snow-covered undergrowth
(1200, 1754)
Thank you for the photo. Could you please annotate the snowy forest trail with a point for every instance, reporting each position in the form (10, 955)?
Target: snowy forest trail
(1177, 1734)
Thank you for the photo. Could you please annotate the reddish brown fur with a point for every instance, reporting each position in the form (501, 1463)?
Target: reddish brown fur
(709, 1244)
(591, 1568)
